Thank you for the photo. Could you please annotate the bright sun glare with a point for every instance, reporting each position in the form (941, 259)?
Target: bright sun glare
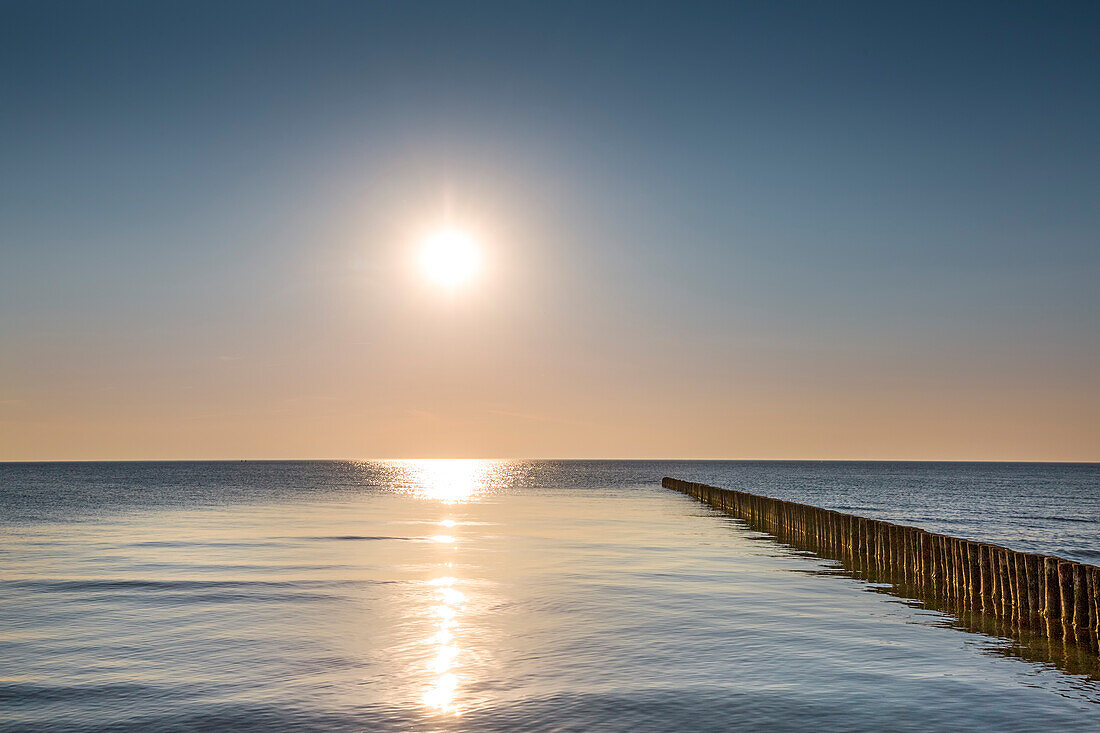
(450, 257)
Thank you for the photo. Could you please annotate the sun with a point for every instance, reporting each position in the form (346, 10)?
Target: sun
(450, 257)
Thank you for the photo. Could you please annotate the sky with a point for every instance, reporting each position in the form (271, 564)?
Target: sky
(730, 230)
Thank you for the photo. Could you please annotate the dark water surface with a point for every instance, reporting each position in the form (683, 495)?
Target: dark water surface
(518, 595)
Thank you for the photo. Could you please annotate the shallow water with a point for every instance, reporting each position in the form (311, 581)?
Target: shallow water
(504, 596)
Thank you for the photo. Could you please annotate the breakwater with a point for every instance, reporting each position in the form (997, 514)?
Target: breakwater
(1049, 596)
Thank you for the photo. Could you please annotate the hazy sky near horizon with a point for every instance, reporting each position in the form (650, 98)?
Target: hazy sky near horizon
(729, 230)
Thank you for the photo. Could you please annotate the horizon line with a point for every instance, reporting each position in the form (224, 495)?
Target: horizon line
(639, 460)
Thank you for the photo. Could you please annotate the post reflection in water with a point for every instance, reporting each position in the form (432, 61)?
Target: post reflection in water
(449, 482)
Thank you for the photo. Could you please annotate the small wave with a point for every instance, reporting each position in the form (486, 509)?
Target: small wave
(1084, 555)
(349, 538)
(23, 693)
(113, 584)
(198, 598)
(1054, 518)
(274, 541)
(197, 543)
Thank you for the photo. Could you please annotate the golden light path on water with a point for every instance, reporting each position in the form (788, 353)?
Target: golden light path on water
(442, 692)
(448, 482)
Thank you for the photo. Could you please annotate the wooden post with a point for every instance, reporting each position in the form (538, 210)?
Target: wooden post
(1065, 593)
(949, 567)
(928, 570)
(1006, 585)
(979, 571)
(959, 583)
(1081, 630)
(905, 546)
(949, 546)
(915, 565)
(998, 581)
(1019, 587)
(982, 579)
(1094, 572)
(1033, 569)
(1052, 601)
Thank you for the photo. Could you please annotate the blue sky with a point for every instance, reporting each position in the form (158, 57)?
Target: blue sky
(815, 230)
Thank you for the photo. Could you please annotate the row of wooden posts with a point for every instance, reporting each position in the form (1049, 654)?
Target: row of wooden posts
(1025, 589)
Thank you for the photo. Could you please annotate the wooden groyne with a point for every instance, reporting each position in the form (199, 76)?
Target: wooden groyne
(1057, 598)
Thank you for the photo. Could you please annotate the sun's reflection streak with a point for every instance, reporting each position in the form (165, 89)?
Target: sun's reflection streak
(446, 655)
(449, 480)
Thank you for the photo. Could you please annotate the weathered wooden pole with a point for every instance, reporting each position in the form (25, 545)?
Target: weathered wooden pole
(1006, 583)
(1082, 630)
(1033, 567)
(1052, 599)
(976, 558)
(1094, 573)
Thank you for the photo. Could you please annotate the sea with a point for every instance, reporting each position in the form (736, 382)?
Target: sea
(513, 595)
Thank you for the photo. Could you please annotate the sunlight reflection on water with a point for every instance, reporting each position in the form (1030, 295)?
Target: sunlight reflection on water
(449, 482)
(448, 601)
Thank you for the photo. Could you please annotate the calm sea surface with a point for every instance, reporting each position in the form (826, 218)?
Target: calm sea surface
(515, 595)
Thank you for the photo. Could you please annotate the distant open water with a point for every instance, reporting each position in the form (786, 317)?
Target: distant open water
(516, 595)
